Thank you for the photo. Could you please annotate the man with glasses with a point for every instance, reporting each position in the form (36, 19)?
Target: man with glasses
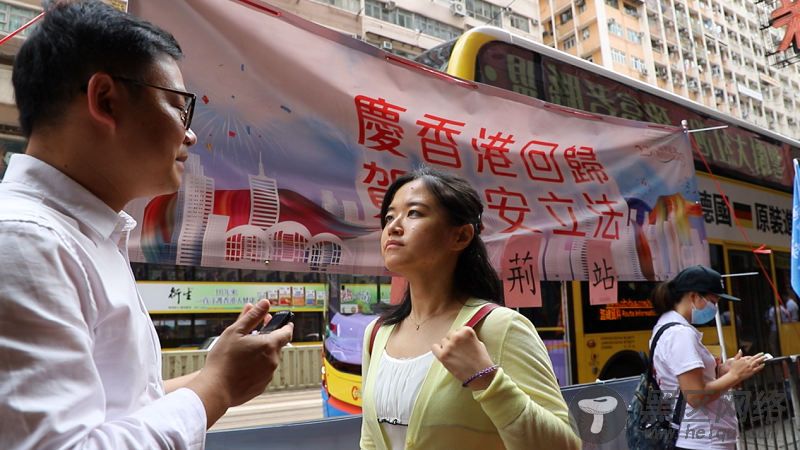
(102, 102)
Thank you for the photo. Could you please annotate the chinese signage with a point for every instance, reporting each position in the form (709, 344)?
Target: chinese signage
(787, 15)
(176, 296)
(538, 76)
(301, 130)
(765, 215)
(361, 298)
(627, 309)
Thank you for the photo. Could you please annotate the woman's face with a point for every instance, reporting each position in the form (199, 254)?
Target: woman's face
(418, 235)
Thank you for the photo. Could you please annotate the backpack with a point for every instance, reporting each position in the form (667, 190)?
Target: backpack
(650, 426)
(483, 312)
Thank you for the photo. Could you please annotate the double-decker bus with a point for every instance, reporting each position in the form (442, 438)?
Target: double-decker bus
(750, 164)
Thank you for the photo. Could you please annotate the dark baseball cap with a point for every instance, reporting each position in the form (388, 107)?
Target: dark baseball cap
(701, 279)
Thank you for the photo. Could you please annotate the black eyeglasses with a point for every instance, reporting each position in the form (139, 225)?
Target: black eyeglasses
(188, 110)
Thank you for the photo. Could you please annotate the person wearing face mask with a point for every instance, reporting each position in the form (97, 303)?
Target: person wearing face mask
(681, 361)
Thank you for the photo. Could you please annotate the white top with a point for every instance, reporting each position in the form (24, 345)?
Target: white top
(81, 362)
(397, 386)
(679, 350)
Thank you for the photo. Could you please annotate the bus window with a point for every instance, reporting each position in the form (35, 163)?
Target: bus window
(757, 298)
(547, 319)
(438, 56)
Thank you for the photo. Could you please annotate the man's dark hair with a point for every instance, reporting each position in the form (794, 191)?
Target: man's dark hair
(73, 41)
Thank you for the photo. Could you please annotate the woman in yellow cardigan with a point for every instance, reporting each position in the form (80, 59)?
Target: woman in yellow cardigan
(430, 382)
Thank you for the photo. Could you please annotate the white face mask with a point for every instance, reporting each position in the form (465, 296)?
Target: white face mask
(705, 315)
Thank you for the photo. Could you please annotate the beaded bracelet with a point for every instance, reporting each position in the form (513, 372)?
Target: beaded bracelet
(479, 374)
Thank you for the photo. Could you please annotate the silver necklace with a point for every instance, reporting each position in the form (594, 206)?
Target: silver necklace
(429, 318)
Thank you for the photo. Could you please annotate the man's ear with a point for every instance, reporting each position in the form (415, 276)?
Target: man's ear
(103, 99)
(464, 235)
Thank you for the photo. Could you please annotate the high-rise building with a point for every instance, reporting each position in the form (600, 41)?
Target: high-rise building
(711, 51)
(265, 206)
(195, 205)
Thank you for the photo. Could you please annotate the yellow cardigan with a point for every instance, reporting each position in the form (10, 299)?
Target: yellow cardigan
(521, 409)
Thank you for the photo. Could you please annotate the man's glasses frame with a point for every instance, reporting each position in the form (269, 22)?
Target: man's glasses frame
(188, 110)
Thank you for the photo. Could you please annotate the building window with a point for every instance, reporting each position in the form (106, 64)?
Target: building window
(410, 20)
(569, 43)
(582, 8)
(485, 12)
(12, 17)
(585, 34)
(615, 28)
(618, 56)
(519, 22)
(637, 63)
(634, 36)
(630, 10)
(566, 16)
(435, 28)
(613, 3)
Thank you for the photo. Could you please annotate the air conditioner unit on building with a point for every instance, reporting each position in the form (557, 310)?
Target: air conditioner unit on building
(580, 3)
(507, 10)
(547, 33)
(534, 22)
(641, 34)
(792, 121)
(390, 5)
(611, 21)
(745, 114)
(386, 45)
(458, 7)
(643, 72)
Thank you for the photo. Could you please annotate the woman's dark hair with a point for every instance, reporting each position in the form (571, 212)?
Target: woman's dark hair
(474, 275)
(73, 41)
(664, 298)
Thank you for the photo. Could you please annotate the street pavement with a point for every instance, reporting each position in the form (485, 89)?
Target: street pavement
(273, 408)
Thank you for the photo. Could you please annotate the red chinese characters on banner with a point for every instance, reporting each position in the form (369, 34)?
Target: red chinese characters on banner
(540, 161)
(584, 165)
(565, 211)
(382, 119)
(379, 180)
(610, 216)
(520, 271)
(494, 152)
(603, 286)
(441, 149)
(504, 202)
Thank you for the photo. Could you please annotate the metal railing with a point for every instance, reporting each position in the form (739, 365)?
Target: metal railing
(769, 407)
(774, 407)
(299, 368)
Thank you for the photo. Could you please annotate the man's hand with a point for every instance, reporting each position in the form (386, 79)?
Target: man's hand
(240, 365)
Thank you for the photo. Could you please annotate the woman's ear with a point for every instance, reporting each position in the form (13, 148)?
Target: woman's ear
(464, 235)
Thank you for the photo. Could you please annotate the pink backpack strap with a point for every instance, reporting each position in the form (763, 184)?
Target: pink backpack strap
(480, 315)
